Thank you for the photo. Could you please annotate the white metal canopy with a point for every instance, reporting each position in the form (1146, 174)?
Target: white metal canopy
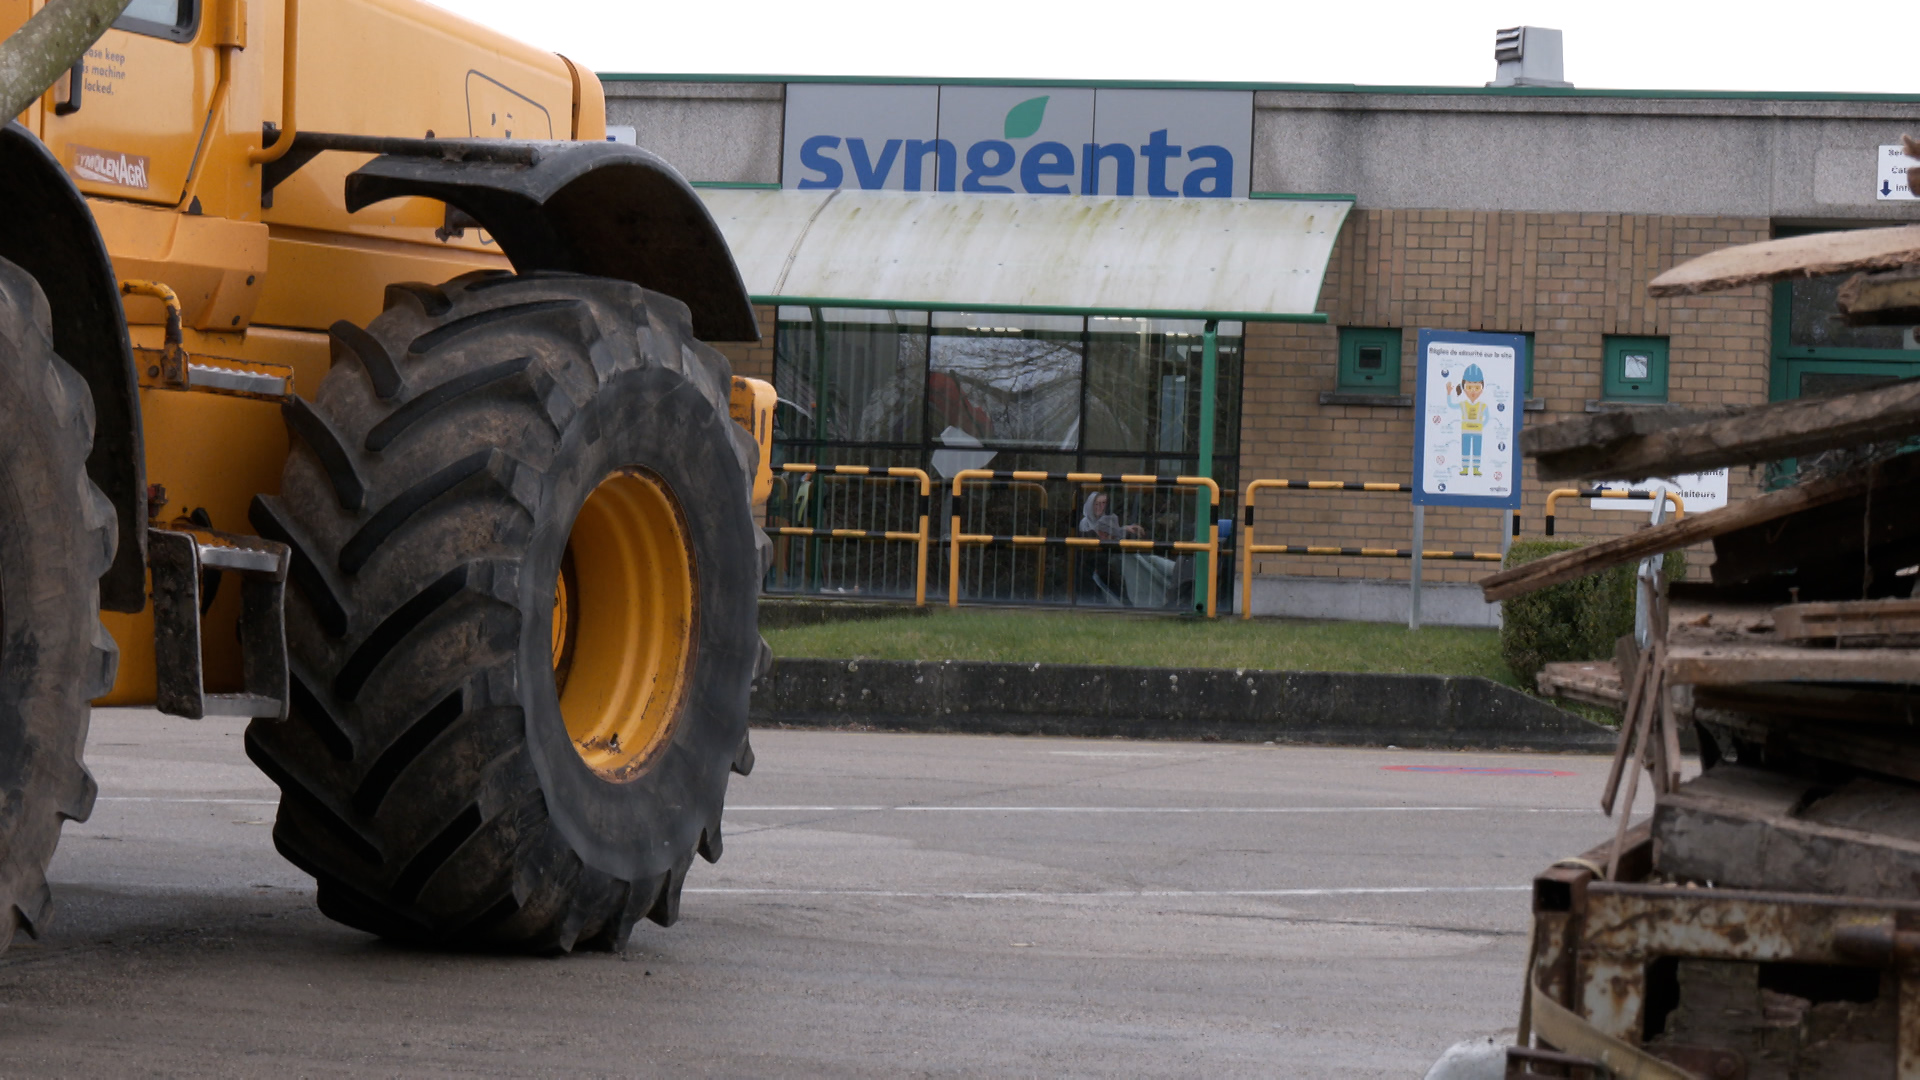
(1233, 257)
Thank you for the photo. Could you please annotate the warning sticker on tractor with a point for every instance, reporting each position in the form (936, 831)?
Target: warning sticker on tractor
(109, 167)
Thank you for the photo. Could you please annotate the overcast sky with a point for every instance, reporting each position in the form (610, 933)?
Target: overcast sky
(1678, 44)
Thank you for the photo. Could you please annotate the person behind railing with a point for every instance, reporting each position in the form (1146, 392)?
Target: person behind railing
(1147, 579)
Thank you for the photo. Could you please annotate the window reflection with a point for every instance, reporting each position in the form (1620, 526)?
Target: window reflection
(947, 391)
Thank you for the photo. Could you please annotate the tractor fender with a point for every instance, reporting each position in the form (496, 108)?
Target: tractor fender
(600, 208)
(49, 232)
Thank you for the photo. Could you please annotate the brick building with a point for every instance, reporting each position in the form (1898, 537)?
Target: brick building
(1536, 211)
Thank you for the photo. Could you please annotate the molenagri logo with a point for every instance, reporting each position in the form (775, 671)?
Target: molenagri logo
(109, 167)
(1170, 146)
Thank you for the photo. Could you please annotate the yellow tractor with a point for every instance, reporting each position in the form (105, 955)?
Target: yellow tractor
(352, 382)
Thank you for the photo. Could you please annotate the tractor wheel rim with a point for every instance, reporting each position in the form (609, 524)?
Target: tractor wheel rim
(624, 623)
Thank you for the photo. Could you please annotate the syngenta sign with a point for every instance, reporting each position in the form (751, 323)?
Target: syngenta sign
(1007, 139)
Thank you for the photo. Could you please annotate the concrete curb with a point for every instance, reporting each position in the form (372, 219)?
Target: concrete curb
(1313, 707)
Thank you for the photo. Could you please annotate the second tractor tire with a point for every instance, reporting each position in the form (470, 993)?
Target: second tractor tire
(523, 616)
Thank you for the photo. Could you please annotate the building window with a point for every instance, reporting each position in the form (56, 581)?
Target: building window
(1815, 352)
(1636, 369)
(1066, 393)
(1369, 360)
(946, 391)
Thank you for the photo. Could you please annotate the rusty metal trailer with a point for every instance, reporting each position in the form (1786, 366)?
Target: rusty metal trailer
(1764, 923)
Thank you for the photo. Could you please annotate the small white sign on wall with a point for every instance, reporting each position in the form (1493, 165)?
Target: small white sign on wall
(1891, 182)
(1698, 492)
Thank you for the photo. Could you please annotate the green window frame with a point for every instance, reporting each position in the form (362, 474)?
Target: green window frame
(1635, 369)
(1790, 363)
(1369, 360)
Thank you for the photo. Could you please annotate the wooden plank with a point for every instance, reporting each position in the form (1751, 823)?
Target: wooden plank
(1889, 299)
(1634, 445)
(1796, 256)
(1838, 621)
(1596, 682)
(1692, 529)
(1885, 750)
(1610, 428)
(1857, 703)
(1745, 828)
(1726, 665)
(1819, 551)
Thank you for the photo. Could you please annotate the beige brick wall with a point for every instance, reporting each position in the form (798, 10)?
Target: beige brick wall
(1571, 279)
(755, 360)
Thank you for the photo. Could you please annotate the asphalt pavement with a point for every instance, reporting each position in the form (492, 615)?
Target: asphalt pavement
(888, 905)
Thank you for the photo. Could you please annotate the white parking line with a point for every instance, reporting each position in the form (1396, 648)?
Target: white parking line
(1116, 894)
(879, 808)
(158, 799)
(1168, 809)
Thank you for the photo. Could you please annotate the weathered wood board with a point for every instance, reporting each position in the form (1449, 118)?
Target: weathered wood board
(1889, 299)
(1726, 665)
(1661, 442)
(1748, 828)
(1887, 749)
(1841, 622)
(1851, 703)
(1596, 682)
(1813, 255)
(1692, 529)
(1820, 549)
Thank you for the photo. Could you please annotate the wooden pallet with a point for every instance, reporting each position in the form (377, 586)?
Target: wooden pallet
(1849, 622)
(1596, 682)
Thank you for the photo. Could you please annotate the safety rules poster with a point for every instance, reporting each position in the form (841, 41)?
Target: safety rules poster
(1468, 398)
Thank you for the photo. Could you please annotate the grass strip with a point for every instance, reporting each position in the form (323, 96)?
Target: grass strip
(1082, 637)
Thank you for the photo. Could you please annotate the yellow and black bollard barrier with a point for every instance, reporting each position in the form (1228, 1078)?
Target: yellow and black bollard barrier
(919, 538)
(1012, 476)
(1250, 549)
(1679, 508)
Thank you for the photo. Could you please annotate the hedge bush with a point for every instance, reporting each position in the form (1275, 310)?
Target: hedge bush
(1576, 620)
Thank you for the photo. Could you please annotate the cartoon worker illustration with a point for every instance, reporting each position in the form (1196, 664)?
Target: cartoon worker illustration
(1473, 416)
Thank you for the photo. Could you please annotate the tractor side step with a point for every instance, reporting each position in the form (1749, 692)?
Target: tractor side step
(181, 558)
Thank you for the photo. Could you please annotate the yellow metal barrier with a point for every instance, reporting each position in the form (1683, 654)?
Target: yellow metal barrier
(1008, 476)
(1039, 564)
(1249, 549)
(919, 538)
(1679, 507)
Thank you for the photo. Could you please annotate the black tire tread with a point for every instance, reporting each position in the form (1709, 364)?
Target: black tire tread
(56, 655)
(313, 429)
(409, 794)
(351, 342)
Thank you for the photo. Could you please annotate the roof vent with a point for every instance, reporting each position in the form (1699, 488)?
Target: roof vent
(1527, 56)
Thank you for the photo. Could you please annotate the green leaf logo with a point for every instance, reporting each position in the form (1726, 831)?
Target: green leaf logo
(1024, 119)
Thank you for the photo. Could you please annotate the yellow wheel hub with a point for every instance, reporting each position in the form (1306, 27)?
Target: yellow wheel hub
(624, 622)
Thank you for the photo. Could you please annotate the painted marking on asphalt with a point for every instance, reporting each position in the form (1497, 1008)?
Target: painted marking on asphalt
(1469, 770)
(157, 799)
(877, 808)
(1117, 894)
(1166, 809)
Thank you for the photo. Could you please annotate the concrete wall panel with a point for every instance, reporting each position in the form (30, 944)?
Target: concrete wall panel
(709, 131)
(1783, 159)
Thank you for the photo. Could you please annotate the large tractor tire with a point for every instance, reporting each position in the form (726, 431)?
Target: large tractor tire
(523, 622)
(56, 538)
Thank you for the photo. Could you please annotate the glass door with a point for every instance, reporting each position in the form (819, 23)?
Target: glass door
(1815, 353)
